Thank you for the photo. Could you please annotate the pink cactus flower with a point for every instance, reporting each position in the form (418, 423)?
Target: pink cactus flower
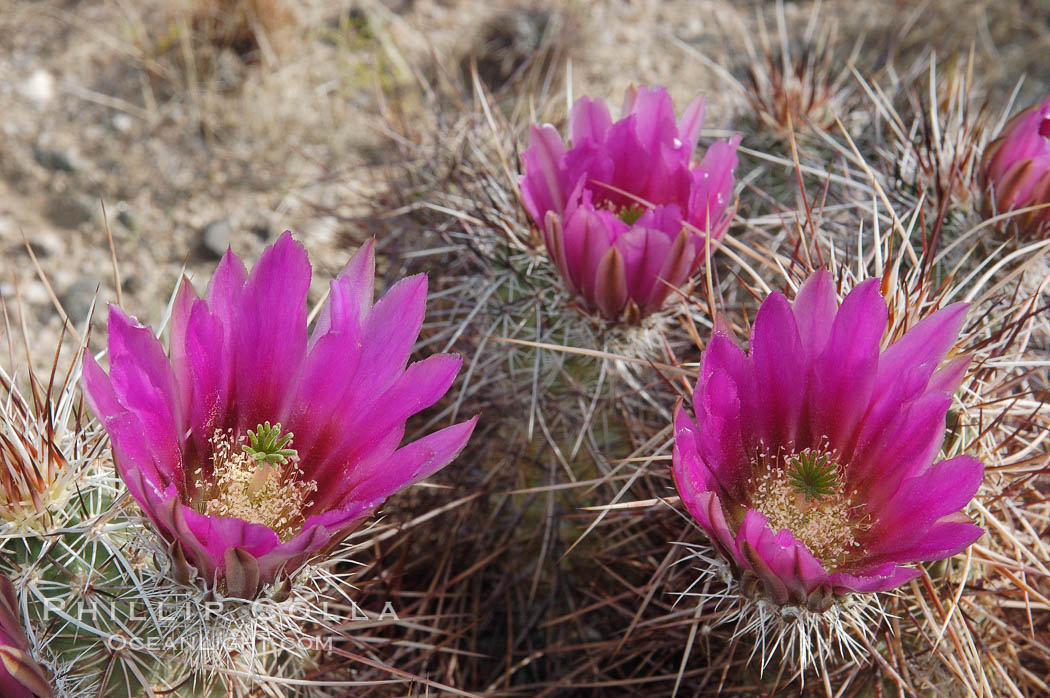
(1015, 170)
(810, 464)
(255, 446)
(624, 212)
(20, 675)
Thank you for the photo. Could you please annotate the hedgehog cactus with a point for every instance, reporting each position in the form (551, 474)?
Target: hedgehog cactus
(1015, 170)
(622, 235)
(244, 503)
(20, 675)
(178, 519)
(235, 501)
(811, 461)
(34, 472)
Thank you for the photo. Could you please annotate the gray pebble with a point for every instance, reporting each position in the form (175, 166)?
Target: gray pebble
(71, 210)
(215, 239)
(125, 218)
(55, 160)
(76, 300)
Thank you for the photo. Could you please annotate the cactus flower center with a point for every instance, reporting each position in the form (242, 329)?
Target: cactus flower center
(1044, 128)
(806, 495)
(255, 477)
(630, 214)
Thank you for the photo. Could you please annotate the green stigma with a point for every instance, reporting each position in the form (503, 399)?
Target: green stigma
(813, 474)
(631, 214)
(266, 445)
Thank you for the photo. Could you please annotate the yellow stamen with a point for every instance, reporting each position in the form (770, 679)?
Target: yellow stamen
(828, 526)
(273, 495)
(259, 480)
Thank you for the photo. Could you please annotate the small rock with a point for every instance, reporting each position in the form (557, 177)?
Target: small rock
(215, 239)
(38, 88)
(44, 243)
(71, 210)
(122, 122)
(264, 230)
(77, 299)
(55, 160)
(131, 284)
(39, 250)
(125, 218)
(400, 6)
(228, 70)
(320, 230)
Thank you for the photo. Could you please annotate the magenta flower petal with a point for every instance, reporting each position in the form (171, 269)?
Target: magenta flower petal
(389, 332)
(943, 539)
(226, 288)
(787, 557)
(325, 414)
(723, 354)
(20, 675)
(349, 296)
(585, 240)
(675, 270)
(287, 557)
(925, 344)
(127, 433)
(644, 251)
(712, 188)
(949, 377)
(357, 281)
(695, 484)
(783, 564)
(1015, 170)
(545, 190)
(887, 577)
(626, 183)
(910, 366)
(143, 382)
(319, 403)
(844, 375)
(690, 124)
(589, 120)
(811, 461)
(411, 463)
(654, 117)
(594, 196)
(366, 428)
(610, 284)
(814, 308)
(271, 333)
(317, 409)
(701, 477)
(721, 432)
(182, 310)
(909, 443)
(217, 534)
(924, 499)
(198, 338)
(779, 367)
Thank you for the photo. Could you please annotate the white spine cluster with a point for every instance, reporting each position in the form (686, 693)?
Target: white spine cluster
(790, 636)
